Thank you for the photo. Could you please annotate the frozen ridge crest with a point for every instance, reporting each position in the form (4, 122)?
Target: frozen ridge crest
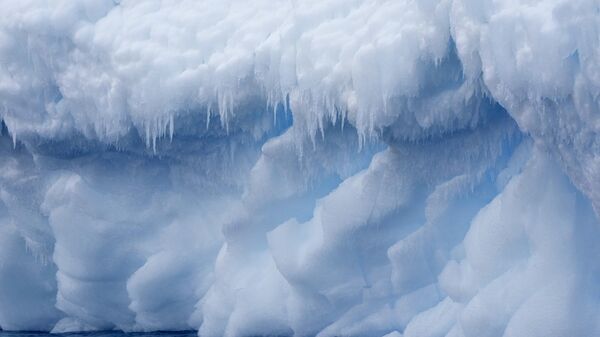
(413, 168)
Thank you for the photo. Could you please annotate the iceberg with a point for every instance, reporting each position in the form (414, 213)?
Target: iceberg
(415, 168)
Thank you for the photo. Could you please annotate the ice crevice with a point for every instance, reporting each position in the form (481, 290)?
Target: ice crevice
(307, 168)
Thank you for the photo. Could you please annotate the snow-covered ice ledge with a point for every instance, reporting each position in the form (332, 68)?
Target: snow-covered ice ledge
(331, 168)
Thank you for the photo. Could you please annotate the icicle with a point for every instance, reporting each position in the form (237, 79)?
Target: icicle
(286, 103)
(147, 127)
(321, 128)
(171, 127)
(220, 103)
(154, 135)
(208, 113)
(361, 139)
(225, 108)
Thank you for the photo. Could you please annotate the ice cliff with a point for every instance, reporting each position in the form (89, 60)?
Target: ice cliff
(416, 168)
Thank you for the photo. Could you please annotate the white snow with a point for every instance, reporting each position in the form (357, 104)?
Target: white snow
(301, 167)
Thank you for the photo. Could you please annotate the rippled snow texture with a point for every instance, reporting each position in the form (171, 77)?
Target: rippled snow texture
(414, 168)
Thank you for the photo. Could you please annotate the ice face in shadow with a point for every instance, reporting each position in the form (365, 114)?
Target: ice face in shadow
(307, 168)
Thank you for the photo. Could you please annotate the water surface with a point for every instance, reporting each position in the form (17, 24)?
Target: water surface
(100, 334)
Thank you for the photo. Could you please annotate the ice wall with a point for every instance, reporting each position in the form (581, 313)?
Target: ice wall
(307, 168)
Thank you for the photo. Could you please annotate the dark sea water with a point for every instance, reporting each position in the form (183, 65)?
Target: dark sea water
(101, 334)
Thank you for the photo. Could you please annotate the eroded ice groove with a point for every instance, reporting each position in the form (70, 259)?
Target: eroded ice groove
(307, 168)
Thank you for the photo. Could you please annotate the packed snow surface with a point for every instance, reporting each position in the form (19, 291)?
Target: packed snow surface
(400, 168)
